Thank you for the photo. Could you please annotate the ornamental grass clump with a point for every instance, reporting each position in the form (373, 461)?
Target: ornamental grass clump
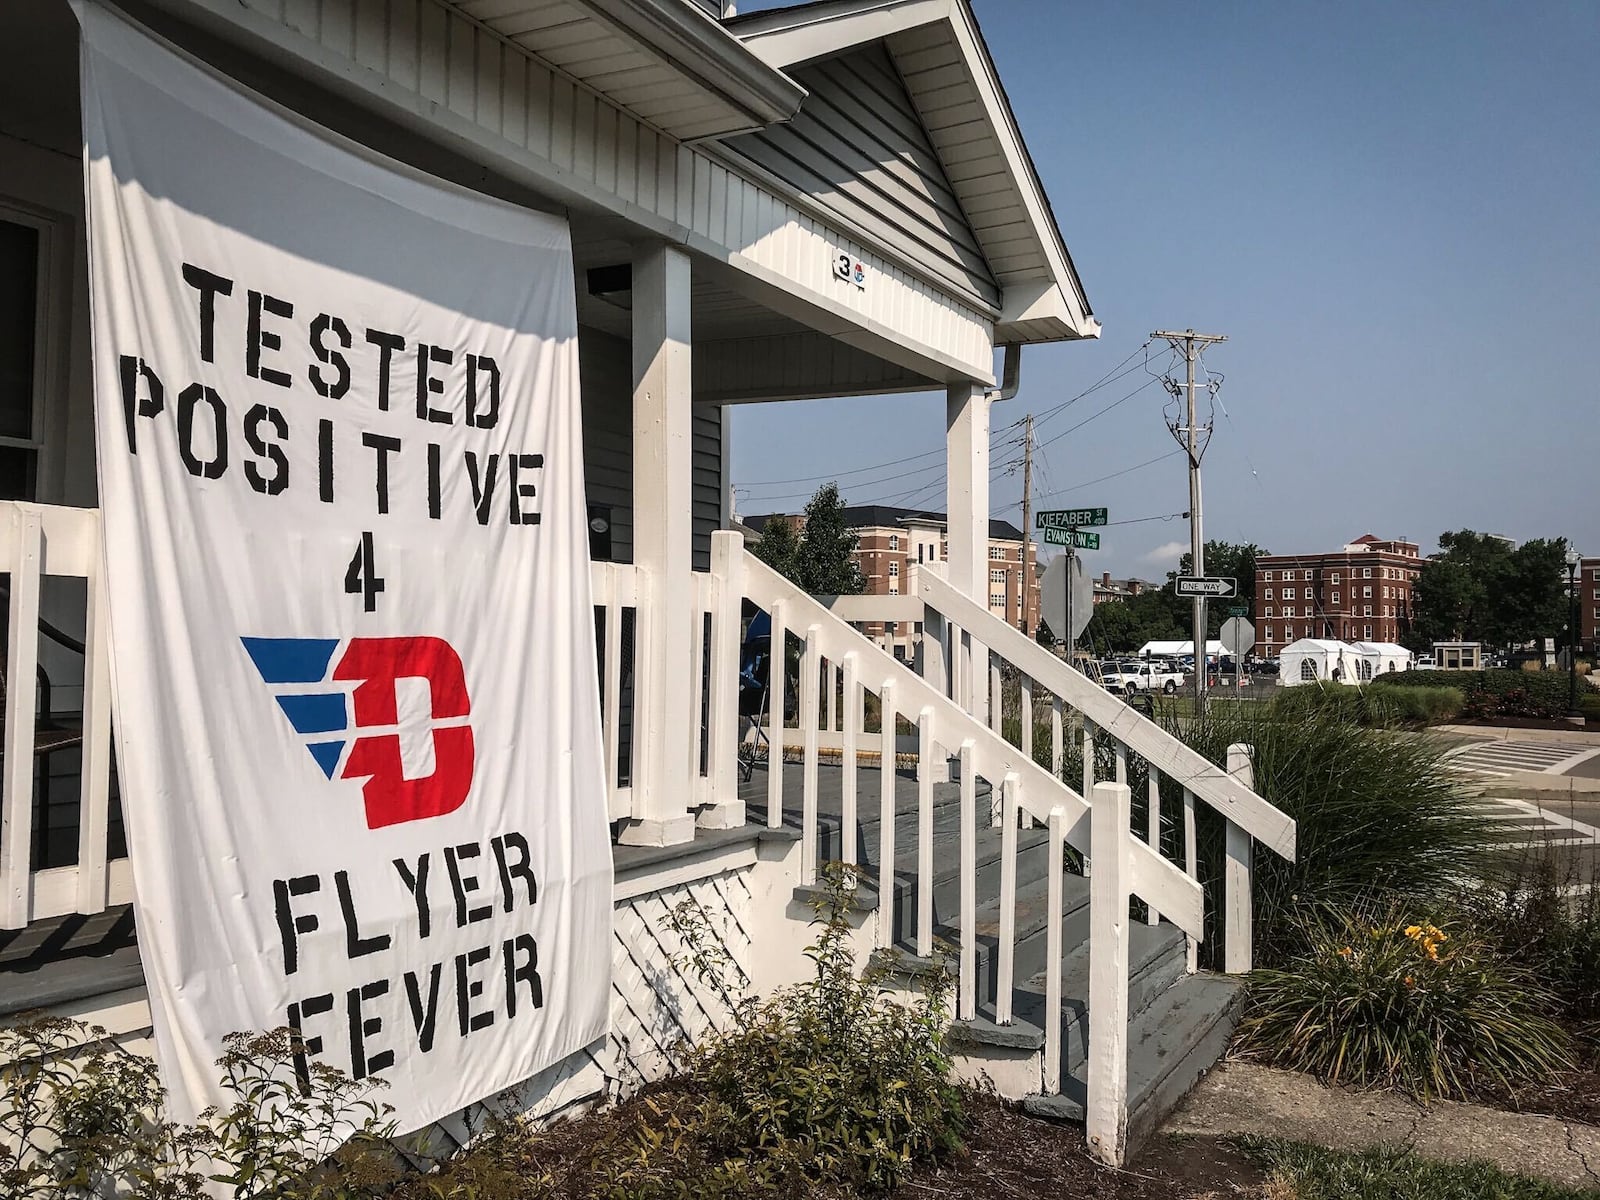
(1417, 1006)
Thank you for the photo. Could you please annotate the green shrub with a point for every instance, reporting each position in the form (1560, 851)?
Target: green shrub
(1497, 693)
(1411, 707)
(1545, 917)
(1379, 813)
(1389, 1003)
(81, 1117)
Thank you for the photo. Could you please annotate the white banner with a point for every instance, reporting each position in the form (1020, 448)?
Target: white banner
(341, 467)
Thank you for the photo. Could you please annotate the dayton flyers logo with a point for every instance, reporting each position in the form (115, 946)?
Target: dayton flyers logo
(317, 702)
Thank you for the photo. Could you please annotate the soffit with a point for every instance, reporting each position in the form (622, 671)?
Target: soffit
(655, 58)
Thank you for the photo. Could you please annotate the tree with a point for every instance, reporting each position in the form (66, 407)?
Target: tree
(821, 556)
(1478, 588)
(1228, 560)
(777, 547)
(825, 564)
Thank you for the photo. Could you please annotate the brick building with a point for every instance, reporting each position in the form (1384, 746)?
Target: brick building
(1589, 603)
(895, 539)
(1109, 591)
(1359, 593)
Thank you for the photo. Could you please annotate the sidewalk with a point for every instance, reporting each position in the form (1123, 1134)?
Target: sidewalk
(1240, 1098)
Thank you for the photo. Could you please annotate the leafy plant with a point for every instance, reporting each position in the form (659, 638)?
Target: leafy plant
(1388, 1172)
(1496, 693)
(1402, 1004)
(1386, 707)
(82, 1116)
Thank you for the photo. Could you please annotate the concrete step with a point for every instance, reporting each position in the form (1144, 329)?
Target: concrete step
(1173, 1042)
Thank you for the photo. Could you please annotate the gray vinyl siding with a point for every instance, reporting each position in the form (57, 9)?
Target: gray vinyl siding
(606, 371)
(859, 150)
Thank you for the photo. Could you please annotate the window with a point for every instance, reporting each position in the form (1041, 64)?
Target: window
(1336, 599)
(894, 541)
(1308, 669)
(1366, 593)
(919, 551)
(24, 274)
(997, 599)
(1269, 632)
(1366, 572)
(1269, 594)
(1308, 575)
(1307, 611)
(1267, 612)
(1267, 576)
(1366, 669)
(1366, 611)
(894, 587)
(1368, 632)
(996, 552)
(1334, 578)
(997, 576)
(1288, 593)
(894, 570)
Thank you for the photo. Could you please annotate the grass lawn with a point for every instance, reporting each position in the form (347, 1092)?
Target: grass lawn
(1299, 1172)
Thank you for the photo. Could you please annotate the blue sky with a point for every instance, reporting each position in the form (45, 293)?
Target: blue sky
(1391, 209)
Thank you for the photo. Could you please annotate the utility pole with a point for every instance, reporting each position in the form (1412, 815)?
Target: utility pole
(1027, 518)
(1191, 345)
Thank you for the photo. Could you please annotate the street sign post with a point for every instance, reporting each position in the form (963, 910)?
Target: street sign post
(1206, 587)
(1076, 538)
(1066, 518)
(1067, 594)
(1238, 637)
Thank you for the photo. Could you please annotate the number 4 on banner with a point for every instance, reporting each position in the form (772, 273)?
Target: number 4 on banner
(362, 577)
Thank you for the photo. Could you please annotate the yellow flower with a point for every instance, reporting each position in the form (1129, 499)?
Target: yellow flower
(1346, 952)
(1412, 931)
(1410, 982)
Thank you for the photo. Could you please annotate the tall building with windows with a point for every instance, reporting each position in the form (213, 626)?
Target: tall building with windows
(895, 539)
(1359, 593)
(1589, 604)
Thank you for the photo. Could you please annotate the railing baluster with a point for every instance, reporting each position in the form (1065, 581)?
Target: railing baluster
(1052, 955)
(997, 701)
(1122, 763)
(1191, 868)
(1237, 933)
(852, 727)
(969, 885)
(22, 656)
(887, 781)
(94, 764)
(1088, 780)
(1010, 812)
(1106, 1113)
(809, 679)
(1154, 804)
(1058, 745)
(777, 668)
(925, 833)
(727, 565)
(1026, 702)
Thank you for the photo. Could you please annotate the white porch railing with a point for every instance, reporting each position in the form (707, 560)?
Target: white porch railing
(41, 541)
(934, 694)
(38, 541)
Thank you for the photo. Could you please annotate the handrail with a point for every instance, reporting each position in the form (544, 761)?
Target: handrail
(1238, 803)
(1154, 880)
(65, 640)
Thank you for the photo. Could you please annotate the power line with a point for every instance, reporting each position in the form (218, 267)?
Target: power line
(1109, 377)
(1114, 475)
(1095, 415)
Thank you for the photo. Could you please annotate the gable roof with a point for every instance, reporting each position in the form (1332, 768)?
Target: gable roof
(950, 77)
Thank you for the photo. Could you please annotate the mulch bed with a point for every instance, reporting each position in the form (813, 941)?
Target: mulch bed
(1571, 1095)
(1013, 1157)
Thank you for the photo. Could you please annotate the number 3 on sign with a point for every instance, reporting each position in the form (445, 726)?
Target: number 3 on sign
(362, 578)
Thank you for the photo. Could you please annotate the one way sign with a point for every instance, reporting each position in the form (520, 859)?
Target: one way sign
(1210, 587)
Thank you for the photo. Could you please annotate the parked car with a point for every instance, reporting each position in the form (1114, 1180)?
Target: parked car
(1139, 678)
(1425, 663)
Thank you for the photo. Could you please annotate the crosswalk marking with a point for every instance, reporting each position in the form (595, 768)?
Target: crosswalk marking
(1498, 759)
(1539, 824)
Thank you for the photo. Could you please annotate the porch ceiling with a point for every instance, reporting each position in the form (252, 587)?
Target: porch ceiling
(666, 61)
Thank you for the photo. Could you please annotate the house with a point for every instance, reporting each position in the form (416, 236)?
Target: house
(824, 200)
(893, 539)
(1108, 590)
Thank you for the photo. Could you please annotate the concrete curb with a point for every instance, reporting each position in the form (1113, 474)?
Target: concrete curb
(1493, 733)
(1241, 1098)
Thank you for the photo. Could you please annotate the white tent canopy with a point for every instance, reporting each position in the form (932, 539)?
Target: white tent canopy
(1379, 658)
(1312, 660)
(1176, 649)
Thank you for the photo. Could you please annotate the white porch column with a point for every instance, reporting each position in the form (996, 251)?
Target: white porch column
(967, 506)
(662, 533)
